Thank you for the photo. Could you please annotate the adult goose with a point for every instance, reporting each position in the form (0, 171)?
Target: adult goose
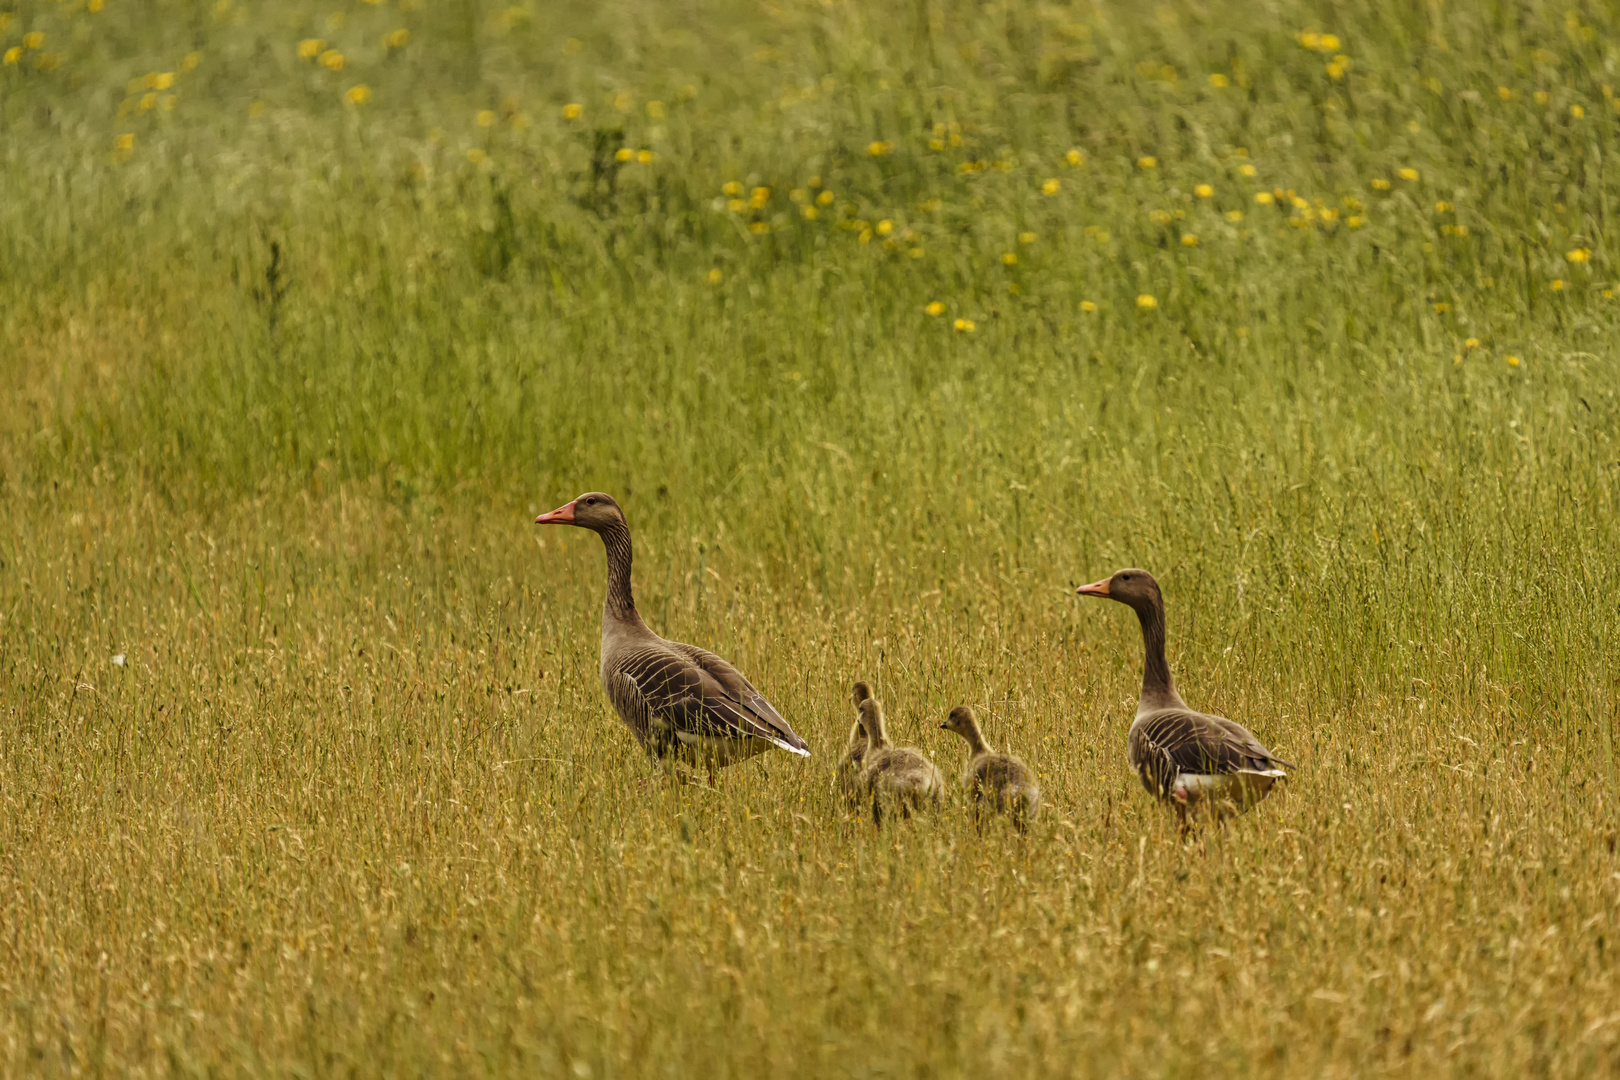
(897, 776)
(998, 782)
(851, 764)
(679, 701)
(1190, 759)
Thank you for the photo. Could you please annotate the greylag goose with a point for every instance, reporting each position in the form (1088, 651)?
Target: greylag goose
(1184, 757)
(999, 781)
(898, 775)
(848, 772)
(678, 700)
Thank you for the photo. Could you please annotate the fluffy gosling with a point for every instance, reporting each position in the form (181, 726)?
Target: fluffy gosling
(996, 782)
(898, 776)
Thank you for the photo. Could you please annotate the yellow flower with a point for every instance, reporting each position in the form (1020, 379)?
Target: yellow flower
(1146, 302)
(1189, 239)
(1471, 343)
(34, 40)
(623, 153)
(94, 5)
(1504, 93)
(1248, 170)
(1337, 67)
(935, 308)
(1234, 216)
(1026, 238)
(1330, 43)
(964, 326)
(1576, 111)
(1147, 161)
(885, 227)
(809, 212)
(1159, 217)
(1441, 308)
(1443, 207)
(1264, 198)
(1608, 294)
(1579, 255)
(12, 54)
(399, 39)
(1052, 186)
(916, 253)
(1310, 39)
(124, 142)
(310, 48)
(1513, 361)
(148, 102)
(476, 156)
(736, 206)
(573, 110)
(1542, 97)
(1204, 191)
(865, 237)
(1087, 305)
(332, 60)
(191, 62)
(1355, 221)
(758, 228)
(825, 198)
(878, 148)
(731, 187)
(1075, 157)
(163, 81)
(715, 276)
(486, 118)
(1219, 81)
(1380, 184)
(758, 197)
(1299, 203)
(1557, 285)
(1009, 258)
(1408, 173)
(644, 157)
(358, 94)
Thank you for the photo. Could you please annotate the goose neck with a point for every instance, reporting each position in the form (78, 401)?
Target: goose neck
(1157, 684)
(620, 604)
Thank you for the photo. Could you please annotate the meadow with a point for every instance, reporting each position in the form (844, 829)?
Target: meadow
(888, 323)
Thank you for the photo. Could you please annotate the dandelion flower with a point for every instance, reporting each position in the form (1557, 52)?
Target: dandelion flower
(358, 94)
(148, 102)
(1248, 170)
(1513, 361)
(1075, 158)
(1087, 306)
(486, 118)
(964, 326)
(809, 213)
(1147, 161)
(1558, 285)
(715, 276)
(1052, 186)
(13, 54)
(125, 142)
(885, 227)
(644, 157)
(935, 308)
(1234, 216)
(1542, 97)
(1504, 93)
(877, 148)
(1579, 255)
(1026, 238)
(1443, 207)
(1009, 258)
(163, 81)
(1204, 191)
(758, 228)
(1576, 111)
(1380, 184)
(1189, 239)
(1330, 43)
(1147, 302)
(1264, 198)
(34, 39)
(623, 153)
(1608, 294)
(332, 60)
(1471, 343)
(398, 39)
(731, 187)
(1408, 174)
(1355, 221)
(573, 110)
(758, 197)
(310, 48)
(1219, 81)
(865, 237)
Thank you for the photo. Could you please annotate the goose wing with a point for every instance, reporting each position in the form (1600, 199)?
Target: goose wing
(693, 691)
(1169, 742)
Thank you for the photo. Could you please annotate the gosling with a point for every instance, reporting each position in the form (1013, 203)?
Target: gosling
(998, 783)
(848, 773)
(898, 775)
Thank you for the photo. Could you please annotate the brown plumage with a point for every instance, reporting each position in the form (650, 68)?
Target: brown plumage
(996, 782)
(678, 700)
(1190, 759)
(848, 773)
(901, 777)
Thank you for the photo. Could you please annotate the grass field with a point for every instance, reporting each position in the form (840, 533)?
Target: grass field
(888, 323)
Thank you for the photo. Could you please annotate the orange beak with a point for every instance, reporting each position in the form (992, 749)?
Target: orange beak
(563, 515)
(1096, 588)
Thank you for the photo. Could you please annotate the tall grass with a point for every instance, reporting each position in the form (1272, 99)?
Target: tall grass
(288, 372)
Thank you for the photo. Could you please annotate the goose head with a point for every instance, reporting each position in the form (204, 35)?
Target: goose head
(1132, 587)
(592, 510)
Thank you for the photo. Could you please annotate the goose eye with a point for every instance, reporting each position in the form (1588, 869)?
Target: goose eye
(590, 502)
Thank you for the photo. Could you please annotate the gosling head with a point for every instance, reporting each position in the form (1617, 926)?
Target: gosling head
(860, 692)
(872, 721)
(965, 723)
(592, 510)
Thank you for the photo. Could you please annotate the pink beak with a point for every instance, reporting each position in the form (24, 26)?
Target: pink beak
(1096, 588)
(563, 515)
